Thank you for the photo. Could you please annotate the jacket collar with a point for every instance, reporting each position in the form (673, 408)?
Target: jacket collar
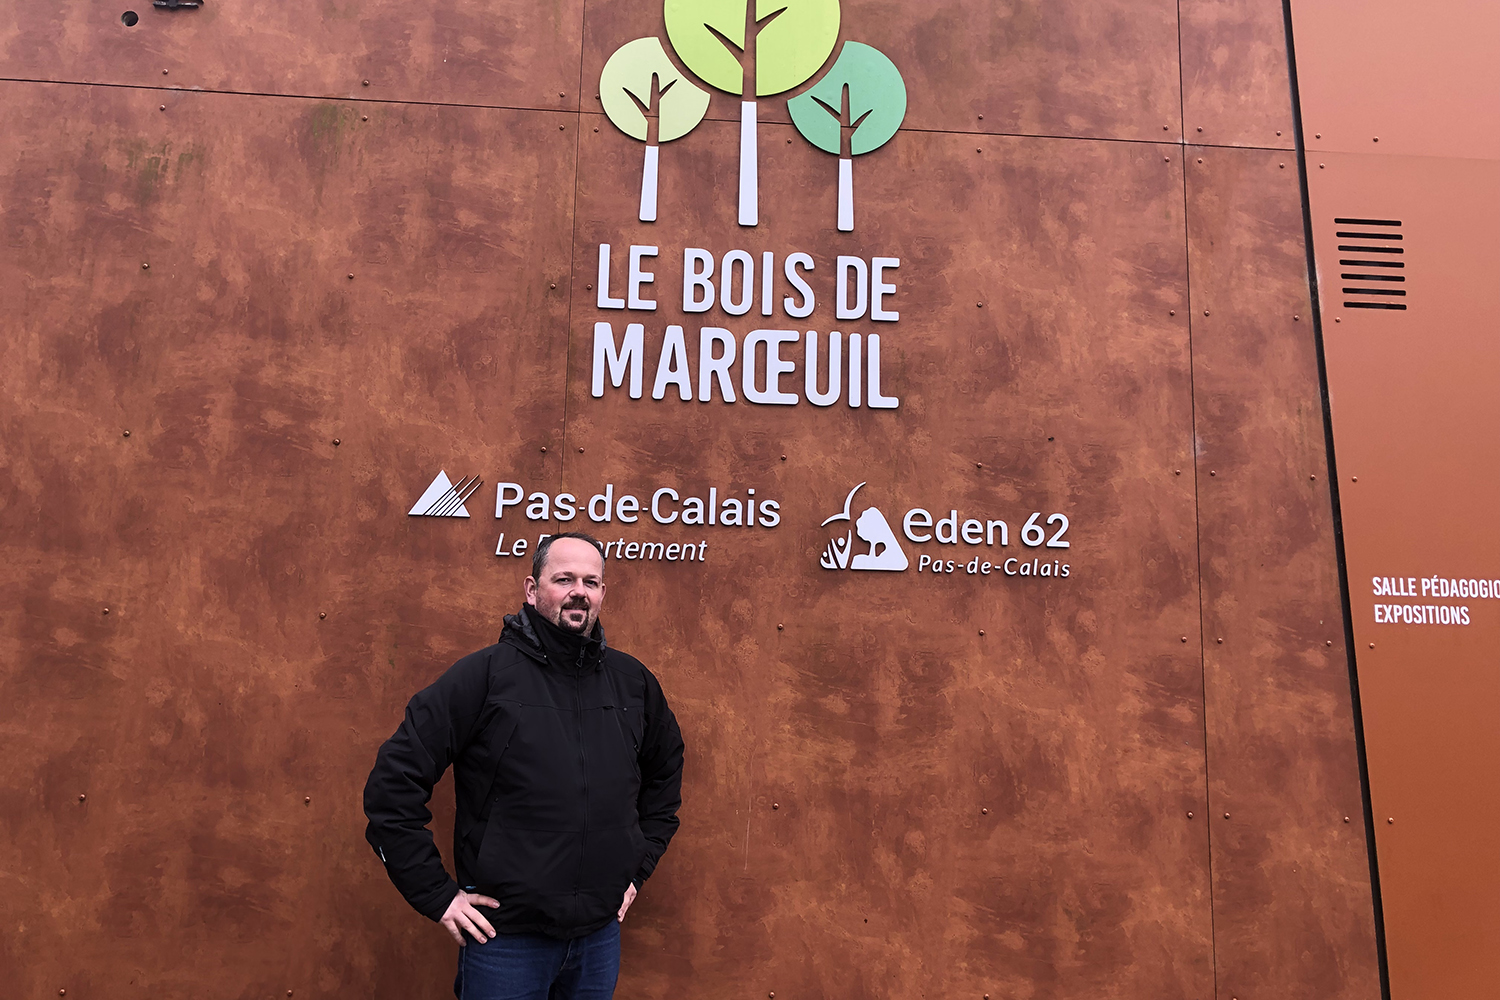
(520, 631)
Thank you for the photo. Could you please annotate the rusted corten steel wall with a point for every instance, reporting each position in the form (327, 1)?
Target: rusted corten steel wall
(268, 268)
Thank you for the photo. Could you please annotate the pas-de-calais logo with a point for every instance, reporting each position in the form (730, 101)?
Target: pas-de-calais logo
(872, 528)
(755, 48)
(444, 498)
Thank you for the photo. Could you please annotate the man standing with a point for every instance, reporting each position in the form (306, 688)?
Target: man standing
(567, 767)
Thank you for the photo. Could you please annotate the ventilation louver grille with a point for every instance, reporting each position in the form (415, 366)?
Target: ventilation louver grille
(1371, 264)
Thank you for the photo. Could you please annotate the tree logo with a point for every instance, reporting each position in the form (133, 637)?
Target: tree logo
(754, 48)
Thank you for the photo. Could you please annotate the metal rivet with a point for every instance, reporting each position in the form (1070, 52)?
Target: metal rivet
(1296, 318)
(362, 83)
(1212, 472)
(783, 458)
(598, 130)
(1390, 819)
(1278, 131)
(1200, 129)
(580, 451)
(1322, 165)
(544, 449)
(1190, 815)
(351, 275)
(553, 285)
(978, 150)
(981, 117)
(125, 434)
(1346, 819)
(1317, 135)
(561, 127)
(1205, 312)
(307, 800)
(1171, 312)
(322, 614)
(1220, 640)
(81, 796)
(1176, 472)
(1354, 479)
(106, 611)
(145, 267)
(789, 142)
(1166, 128)
(1376, 139)
(1184, 638)
(1328, 642)
(161, 107)
(1200, 159)
(163, 72)
(1281, 166)
(1166, 159)
(364, 118)
(978, 465)
(981, 631)
(772, 995)
(337, 442)
(779, 626)
(589, 287)
(1372, 645)
(775, 805)
(979, 305)
(1313, 477)
(984, 812)
(1226, 815)
(561, 94)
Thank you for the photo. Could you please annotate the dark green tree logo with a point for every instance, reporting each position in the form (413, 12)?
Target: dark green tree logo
(854, 109)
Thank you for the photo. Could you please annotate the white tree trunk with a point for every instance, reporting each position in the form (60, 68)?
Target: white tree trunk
(846, 196)
(749, 183)
(648, 185)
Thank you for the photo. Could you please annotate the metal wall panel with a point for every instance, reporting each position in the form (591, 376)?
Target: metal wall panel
(1290, 868)
(869, 707)
(158, 753)
(520, 55)
(1413, 400)
(1401, 117)
(1236, 82)
(1093, 68)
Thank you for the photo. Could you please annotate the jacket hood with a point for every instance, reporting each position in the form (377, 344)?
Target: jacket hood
(520, 631)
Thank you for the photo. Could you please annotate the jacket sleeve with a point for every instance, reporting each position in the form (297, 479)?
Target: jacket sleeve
(440, 719)
(661, 778)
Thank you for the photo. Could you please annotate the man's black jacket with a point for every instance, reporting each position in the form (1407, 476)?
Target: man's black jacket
(568, 777)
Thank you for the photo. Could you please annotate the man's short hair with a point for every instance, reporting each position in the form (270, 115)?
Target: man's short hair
(539, 557)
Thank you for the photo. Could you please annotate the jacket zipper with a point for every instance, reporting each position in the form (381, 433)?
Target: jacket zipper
(583, 757)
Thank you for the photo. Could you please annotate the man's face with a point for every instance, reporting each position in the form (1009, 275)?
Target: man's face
(571, 590)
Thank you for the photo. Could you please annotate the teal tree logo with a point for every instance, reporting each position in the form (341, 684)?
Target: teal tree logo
(754, 48)
(648, 99)
(857, 107)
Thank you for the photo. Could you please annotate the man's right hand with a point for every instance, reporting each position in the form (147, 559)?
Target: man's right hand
(462, 916)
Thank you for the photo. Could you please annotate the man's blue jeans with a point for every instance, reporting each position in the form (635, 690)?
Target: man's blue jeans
(537, 967)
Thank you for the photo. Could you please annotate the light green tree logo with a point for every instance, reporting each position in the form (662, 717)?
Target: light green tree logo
(648, 99)
(854, 109)
(754, 48)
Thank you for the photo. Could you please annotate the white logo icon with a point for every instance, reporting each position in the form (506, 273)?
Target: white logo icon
(444, 499)
(872, 527)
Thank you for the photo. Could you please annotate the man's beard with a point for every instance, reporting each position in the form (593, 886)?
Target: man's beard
(565, 624)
